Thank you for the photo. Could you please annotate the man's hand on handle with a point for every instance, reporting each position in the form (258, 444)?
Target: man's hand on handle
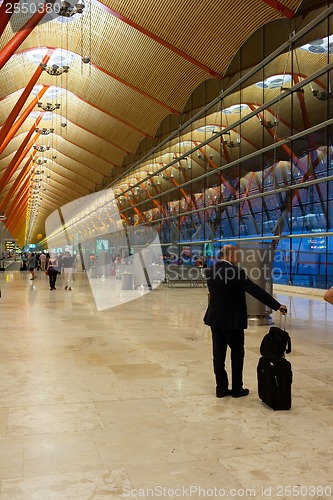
(283, 310)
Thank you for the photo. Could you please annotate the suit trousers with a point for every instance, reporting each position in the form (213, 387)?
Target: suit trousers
(222, 338)
(53, 278)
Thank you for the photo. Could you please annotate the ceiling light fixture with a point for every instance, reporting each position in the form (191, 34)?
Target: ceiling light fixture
(54, 70)
(41, 148)
(233, 144)
(269, 124)
(68, 10)
(44, 131)
(48, 106)
(322, 95)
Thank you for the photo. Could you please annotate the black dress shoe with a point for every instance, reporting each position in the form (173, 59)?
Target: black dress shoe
(223, 394)
(241, 393)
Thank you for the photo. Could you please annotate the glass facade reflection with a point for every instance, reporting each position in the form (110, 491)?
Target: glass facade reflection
(255, 163)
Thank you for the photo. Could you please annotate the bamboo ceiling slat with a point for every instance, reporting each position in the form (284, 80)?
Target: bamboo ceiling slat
(65, 177)
(6, 106)
(88, 159)
(116, 98)
(66, 170)
(210, 31)
(70, 188)
(121, 50)
(84, 157)
(49, 204)
(92, 85)
(76, 167)
(80, 137)
(291, 4)
(99, 145)
(99, 163)
(58, 188)
(117, 132)
(195, 27)
(101, 124)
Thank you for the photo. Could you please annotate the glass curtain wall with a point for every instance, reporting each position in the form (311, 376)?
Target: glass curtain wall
(255, 164)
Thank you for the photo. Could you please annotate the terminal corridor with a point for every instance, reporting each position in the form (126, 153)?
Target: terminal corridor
(110, 404)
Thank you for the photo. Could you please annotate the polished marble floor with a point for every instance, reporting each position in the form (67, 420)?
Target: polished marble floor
(120, 403)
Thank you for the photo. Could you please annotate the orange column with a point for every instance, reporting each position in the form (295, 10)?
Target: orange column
(21, 119)
(17, 226)
(19, 155)
(15, 42)
(23, 97)
(6, 12)
(17, 198)
(19, 214)
(22, 175)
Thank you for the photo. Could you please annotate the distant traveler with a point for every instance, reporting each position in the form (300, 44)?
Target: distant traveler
(68, 263)
(227, 317)
(24, 262)
(42, 259)
(52, 268)
(32, 265)
(329, 296)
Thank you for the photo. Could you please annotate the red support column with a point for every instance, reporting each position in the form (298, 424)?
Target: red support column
(19, 155)
(6, 12)
(17, 198)
(22, 99)
(9, 49)
(24, 173)
(21, 119)
(289, 14)
(19, 214)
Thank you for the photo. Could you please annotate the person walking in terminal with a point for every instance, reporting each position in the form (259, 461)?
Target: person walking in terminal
(32, 265)
(68, 263)
(42, 259)
(227, 317)
(52, 268)
(329, 296)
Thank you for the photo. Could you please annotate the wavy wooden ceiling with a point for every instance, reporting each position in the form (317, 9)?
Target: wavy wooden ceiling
(142, 69)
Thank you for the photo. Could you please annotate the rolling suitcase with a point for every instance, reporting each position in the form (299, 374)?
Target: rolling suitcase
(274, 383)
(274, 371)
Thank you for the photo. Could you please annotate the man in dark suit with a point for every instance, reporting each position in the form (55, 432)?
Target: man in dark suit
(227, 317)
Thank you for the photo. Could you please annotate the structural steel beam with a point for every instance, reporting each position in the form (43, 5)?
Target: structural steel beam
(22, 99)
(118, 79)
(21, 35)
(19, 155)
(21, 119)
(21, 177)
(280, 8)
(158, 39)
(6, 12)
(22, 191)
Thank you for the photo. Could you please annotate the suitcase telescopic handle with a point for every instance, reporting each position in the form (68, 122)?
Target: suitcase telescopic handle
(284, 316)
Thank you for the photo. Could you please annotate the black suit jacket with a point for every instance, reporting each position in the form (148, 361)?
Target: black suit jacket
(227, 285)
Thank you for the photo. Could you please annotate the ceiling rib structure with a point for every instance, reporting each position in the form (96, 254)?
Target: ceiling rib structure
(143, 61)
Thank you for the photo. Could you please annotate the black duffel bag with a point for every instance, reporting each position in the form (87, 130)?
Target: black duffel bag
(275, 344)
